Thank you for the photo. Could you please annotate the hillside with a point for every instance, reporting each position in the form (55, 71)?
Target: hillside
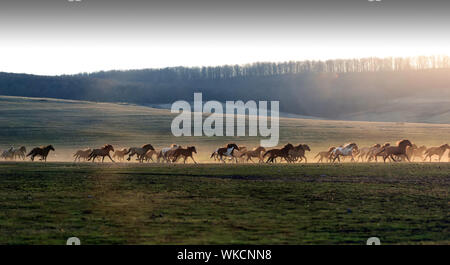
(402, 96)
(70, 125)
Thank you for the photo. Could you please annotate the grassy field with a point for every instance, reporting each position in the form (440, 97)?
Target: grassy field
(128, 203)
(223, 204)
(72, 125)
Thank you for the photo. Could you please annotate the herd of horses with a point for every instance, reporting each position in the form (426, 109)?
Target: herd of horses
(403, 150)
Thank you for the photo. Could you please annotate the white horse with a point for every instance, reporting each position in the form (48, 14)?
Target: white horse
(346, 150)
(229, 154)
(8, 153)
(166, 152)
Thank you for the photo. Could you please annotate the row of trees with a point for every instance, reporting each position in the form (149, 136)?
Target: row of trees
(371, 64)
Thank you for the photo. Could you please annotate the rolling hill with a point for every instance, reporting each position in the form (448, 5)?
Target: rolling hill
(72, 124)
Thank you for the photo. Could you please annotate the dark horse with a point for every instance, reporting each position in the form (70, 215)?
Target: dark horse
(104, 151)
(41, 151)
(283, 153)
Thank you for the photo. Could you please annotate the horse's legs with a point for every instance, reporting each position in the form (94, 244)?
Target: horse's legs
(193, 159)
(110, 158)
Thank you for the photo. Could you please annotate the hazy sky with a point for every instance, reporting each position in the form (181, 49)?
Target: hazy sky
(59, 36)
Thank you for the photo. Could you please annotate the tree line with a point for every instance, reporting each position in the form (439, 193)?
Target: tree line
(371, 64)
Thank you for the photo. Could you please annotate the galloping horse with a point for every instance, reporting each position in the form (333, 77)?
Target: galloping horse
(399, 151)
(104, 151)
(238, 154)
(120, 154)
(8, 153)
(82, 154)
(185, 153)
(167, 152)
(225, 151)
(376, 151)
(149, 155)
(414, 151)
(439, 151)
(139, 152)
(362, 153)
(19, 153)
(255, 153)
(274, 153)
(325, 155)
(41, 151)
(346, 150)
(298, 152)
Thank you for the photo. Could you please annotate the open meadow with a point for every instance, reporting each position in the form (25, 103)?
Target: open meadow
(222, 204)
(150, 203)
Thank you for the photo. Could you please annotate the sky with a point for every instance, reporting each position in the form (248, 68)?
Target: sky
(53, 37)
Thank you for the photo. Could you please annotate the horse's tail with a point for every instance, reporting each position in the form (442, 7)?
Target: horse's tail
(266, 153)
(212, 154)
(127, 152)
(317, 156)
(30, 153)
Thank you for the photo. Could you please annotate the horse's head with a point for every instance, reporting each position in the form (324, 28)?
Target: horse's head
(22, 149)
(386, 144)
(376, 145)
(331, 149)
(148, 147)
(192, 148)
(446, 146)
(352, 146)
(404, 143)
(260, 149)
(108, 147)
(306, 147)
(288, 146)
(50, 147)
(233, 145)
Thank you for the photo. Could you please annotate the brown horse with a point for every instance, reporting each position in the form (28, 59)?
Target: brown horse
(120, 154)
(376, 151)
(82, 154)
(255, 153)
(185, 153)
(41, 151)
(399, 151)
(104, 151)
(415, 151)
(149, 155)
(439, 151)
(274, 153)
(325, 155)
(298, 152)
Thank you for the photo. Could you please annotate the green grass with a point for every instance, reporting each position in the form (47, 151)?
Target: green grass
(224, 204)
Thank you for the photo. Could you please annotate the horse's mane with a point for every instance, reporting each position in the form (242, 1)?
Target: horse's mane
(349, 144)
(402, 141)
